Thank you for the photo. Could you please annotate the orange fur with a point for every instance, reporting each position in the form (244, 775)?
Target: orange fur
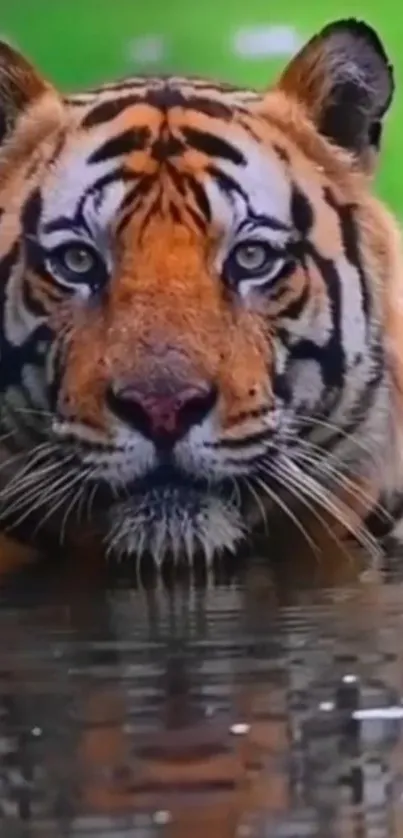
(166, 306)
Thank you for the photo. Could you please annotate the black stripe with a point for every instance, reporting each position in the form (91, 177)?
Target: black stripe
(37, 306)
(7, 263)
(128, 204)
(250, 439)
(173, 211)
(200, 197)
(255, 218)
(31, 213)
(140, 83)
(196, 218)
(60, 223)
(226, 183)
(134, 139)
(350, 239)
(281, 153)
(365, 399)
(199, 83)
(293, 309)
(63, 222)
(213, 146)
(166, 146)
(301, 212)
(360, 409)
(14, 357)
(154, 207)
(139, 190)
(351, 249)
(132, 200)
(58, 148)
(168, 95)
(106, 111)
(331, 356)
(118, 175)
(210, 107)
(177, 179)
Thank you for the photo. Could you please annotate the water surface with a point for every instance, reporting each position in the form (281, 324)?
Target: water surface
(245, 705)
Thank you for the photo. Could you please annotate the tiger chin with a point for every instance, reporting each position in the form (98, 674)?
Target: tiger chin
(201, 306)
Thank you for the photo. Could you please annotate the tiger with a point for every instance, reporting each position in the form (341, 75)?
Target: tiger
(201, 307)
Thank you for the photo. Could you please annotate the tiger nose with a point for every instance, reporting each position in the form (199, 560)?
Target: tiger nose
(162, 411)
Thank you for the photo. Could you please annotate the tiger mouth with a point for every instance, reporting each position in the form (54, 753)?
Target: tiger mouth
(162, 482)
(170, 514)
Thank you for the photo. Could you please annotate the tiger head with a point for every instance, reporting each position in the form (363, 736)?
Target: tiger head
(192, 287)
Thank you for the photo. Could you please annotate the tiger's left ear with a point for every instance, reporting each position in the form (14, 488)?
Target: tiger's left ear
(20, 87)
(343, 79)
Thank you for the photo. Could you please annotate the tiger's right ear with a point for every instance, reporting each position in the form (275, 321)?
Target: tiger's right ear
(344, 80)
(20, 87)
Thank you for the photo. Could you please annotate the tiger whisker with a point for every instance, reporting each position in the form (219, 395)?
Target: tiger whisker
(53, 490)
(44, 449)
(63, 495)
(342, 479)
(326, 499)
(74, 502)
(258, 501)
(8, 434)
(33, 411)
(83, 496)
(31, 479)
(326, 424)
(34, 454)
(282, 480)
(287, 511)
(91, 501)
(41, 481)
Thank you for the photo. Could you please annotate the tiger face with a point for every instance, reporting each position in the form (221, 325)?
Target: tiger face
(193, 315)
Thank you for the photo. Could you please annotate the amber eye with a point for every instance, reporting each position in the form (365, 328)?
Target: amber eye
(77, 259)
(78, 263)
(252, 257)
(254, 263)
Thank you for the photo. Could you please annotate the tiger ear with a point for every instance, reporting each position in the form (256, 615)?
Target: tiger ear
(20, 86)
(343, 79)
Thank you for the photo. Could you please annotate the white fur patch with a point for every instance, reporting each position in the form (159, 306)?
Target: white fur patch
(307, 383)
(353, 322)
(267, 189)
(164, 526)
(133, 455)
(70, 179)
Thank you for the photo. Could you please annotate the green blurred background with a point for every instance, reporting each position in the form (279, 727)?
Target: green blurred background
(81, 42)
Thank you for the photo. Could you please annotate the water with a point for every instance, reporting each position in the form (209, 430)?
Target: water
(255, 704)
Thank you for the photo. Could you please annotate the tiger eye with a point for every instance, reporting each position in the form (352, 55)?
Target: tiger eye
(251, 257)
(78, 260)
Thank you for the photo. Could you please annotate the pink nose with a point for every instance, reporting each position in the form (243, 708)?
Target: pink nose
(162, 411)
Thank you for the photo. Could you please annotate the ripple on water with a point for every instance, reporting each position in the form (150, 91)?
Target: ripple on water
(202, 711)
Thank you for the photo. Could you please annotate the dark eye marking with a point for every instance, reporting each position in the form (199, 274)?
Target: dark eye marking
(213, 146)
(134, 139)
